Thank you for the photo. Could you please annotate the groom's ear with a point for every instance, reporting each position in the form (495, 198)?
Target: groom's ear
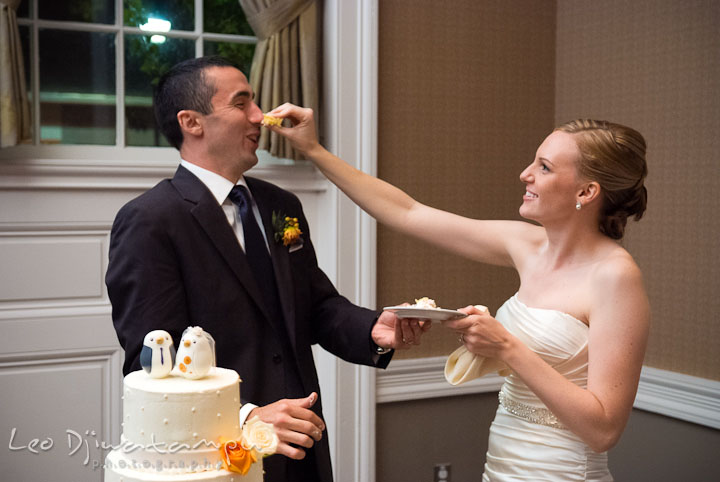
(191, 122)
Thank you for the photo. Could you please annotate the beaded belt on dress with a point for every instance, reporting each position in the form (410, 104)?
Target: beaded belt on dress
(539, 415)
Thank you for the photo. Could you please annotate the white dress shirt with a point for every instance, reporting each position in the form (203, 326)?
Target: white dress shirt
(220, 188)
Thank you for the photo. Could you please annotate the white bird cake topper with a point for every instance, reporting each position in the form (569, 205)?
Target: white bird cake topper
(196, 353)
(157, 356)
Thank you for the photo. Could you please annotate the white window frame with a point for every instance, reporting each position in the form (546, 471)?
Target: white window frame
(119, 152)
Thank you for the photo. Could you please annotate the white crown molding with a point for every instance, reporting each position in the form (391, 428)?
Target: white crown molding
(664, 392)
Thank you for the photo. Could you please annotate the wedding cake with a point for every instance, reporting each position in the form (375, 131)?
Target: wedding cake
(179, 428)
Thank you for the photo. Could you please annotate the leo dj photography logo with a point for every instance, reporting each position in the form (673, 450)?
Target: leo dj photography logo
(82, 445)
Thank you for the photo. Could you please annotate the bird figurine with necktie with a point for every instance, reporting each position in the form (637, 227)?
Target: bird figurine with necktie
(157, 356)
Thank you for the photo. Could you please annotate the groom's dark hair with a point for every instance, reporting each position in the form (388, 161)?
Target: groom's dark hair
(184, 87)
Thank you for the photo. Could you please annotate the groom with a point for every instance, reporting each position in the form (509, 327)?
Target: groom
(201, 249)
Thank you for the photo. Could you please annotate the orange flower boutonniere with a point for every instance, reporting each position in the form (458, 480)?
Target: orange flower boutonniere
(287, 229)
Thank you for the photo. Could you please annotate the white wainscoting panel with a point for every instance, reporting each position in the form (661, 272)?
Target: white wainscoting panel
(57, 414)
(32, 264)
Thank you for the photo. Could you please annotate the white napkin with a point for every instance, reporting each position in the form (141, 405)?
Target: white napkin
(463, 366)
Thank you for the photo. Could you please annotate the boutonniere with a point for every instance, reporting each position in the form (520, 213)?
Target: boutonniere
(286, 229)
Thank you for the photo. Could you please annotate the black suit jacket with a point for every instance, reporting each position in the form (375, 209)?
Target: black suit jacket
(175, 262)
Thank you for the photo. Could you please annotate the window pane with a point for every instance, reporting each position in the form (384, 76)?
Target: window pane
(239, 54)
(225, 16)
(180, 13)
(23, 10)
(94, 11)
(145, 63)
(77, 92)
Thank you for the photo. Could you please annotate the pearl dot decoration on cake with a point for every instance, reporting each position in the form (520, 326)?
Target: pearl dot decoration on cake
(195, 435)
(218, 415)
(165, 396)
(166, 421)
(193, 409)
(217, 393)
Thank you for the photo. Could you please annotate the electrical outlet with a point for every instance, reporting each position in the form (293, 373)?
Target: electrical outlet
(442, 473)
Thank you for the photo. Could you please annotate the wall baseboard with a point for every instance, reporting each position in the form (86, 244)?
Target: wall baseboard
(664, 392)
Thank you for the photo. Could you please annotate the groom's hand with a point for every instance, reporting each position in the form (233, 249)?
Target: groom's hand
(295, 424)
(398, 333)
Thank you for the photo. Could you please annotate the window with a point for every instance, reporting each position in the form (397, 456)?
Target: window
(91, 64)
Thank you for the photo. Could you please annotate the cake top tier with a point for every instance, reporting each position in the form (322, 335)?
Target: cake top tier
(216, 379)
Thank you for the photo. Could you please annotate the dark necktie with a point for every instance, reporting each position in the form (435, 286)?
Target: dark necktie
(258, 258)
(256, 250)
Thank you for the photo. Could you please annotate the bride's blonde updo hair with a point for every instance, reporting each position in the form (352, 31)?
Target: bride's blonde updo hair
(612, 155)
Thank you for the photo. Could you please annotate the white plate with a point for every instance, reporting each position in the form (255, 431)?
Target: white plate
(437, 314)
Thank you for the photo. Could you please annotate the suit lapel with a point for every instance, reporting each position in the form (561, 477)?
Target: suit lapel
(278, 252)
(212, 219)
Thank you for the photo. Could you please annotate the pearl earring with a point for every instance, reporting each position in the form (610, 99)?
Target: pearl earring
(578, 205)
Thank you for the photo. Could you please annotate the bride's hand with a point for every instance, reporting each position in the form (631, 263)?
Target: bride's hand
(481, 333)
(303, 134)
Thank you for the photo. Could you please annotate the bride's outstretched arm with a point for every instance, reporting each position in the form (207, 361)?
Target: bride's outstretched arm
(380, 199)
(492, 242)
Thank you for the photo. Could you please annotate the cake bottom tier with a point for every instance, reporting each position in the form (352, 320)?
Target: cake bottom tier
(176, 467)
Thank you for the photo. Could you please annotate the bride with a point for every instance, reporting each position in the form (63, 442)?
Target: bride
(573, 337)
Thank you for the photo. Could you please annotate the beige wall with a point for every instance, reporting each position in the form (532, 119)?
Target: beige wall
(655, 65)
(465, 96)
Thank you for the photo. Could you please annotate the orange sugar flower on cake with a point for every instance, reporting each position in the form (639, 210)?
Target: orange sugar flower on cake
(236, 458)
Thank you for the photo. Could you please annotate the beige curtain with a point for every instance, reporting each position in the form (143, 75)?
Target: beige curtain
(285, 65)
(14, 108)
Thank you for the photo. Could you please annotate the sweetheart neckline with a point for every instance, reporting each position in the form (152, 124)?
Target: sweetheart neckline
(517, 298)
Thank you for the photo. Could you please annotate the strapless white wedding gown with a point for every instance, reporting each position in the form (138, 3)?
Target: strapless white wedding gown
(526, 440)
